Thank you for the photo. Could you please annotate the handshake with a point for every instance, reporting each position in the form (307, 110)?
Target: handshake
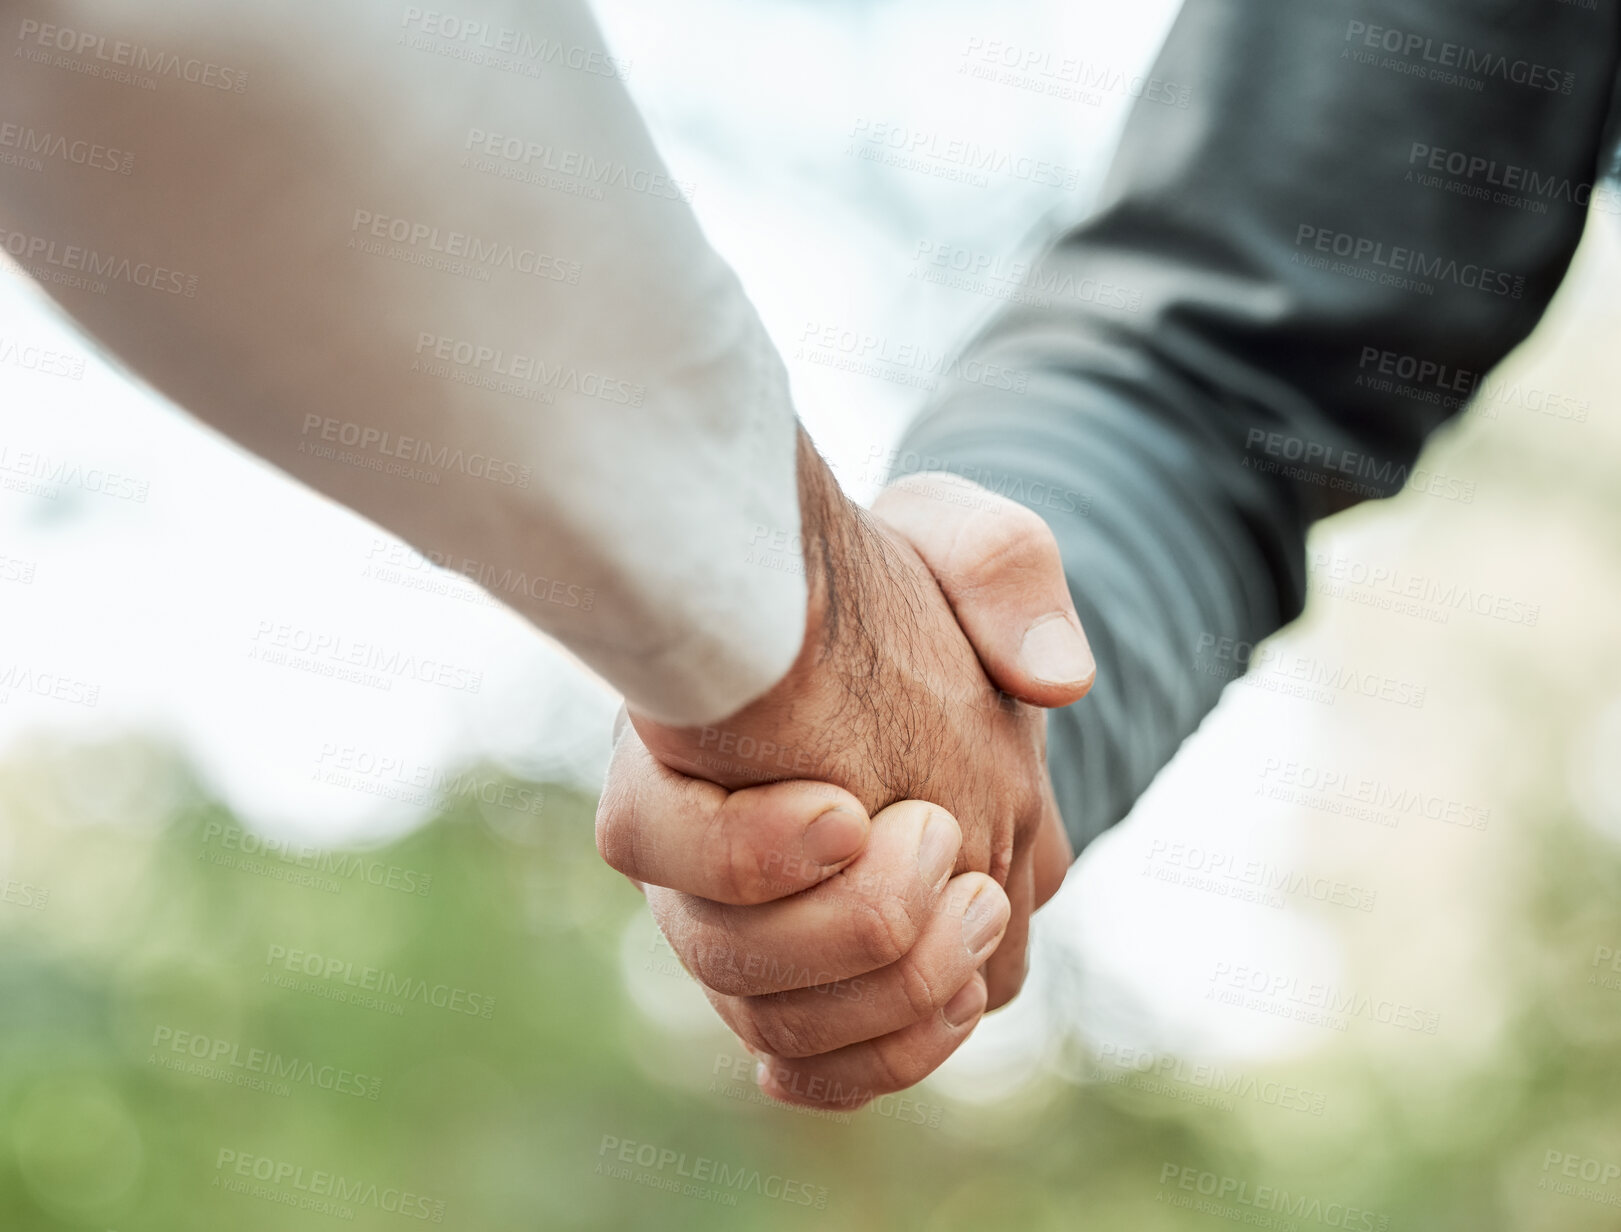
(852, 924)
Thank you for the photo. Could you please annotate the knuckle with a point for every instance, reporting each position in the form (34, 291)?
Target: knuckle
(896, 1067)
(1010, 534)
(1004, 845)
(916, 987)
(1029, 806)
(724, 856)
(718, 973)
(746, 1019)
(777, 1028)
(708, 951)
(1028, 528)
(616, 836)
(882, 928)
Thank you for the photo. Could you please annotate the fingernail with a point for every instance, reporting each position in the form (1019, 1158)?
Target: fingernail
(984, 922)
(762, 1071)
(1055, 651)
(937, 850)
(970, 999)
(835, 836)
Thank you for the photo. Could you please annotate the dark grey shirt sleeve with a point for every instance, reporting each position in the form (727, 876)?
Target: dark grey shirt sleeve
(1289, 283)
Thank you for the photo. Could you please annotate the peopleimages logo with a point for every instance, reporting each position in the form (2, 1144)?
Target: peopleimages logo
(669, 1168)
(1455, 60)
(28, 141)
(1581, 1167)
(30, 681)
(332, 654)
(22, 894)
(331, 868)
(204, 1056)
(1338, 790)
(1045, 72)
(883, 464)
(42, 475)
(397, 777)
(1390, 264)
(1348, 469)
(132, 56)
(412, 450)
(392, 561)
(1163, 1073)
(558, 378)
(934, 153)
(1507, 183)
(505, 46)
(1018, 281)
(1276, 667)
(1321, 1004)
(387, 984)
(77, 259)
(31, 357)
(587, 168)
(1450, 387)
(1414, 593)
(463, 245)
(1200, 867)
(906, 363)
(1218, 1189)
(320, 1188)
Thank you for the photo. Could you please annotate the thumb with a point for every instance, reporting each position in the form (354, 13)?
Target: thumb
(998, 565)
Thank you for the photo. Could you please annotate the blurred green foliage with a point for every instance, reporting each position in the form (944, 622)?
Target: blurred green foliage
(133, 926)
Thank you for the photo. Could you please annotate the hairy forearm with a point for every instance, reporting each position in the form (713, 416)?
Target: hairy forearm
(835, 543)
(864, 656)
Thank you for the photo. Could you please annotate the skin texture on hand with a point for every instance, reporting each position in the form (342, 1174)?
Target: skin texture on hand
(921, 615)
(887, 699)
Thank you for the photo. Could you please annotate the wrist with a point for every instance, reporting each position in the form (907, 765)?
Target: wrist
(831, 531)
(831, 534)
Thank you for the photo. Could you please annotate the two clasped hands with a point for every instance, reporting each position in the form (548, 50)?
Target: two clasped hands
(853, 922)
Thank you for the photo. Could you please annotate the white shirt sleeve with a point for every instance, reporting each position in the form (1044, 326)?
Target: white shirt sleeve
(429, 262)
